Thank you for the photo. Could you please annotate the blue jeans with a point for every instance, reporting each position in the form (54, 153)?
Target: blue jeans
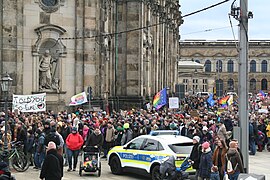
(38, 159)
(74, 154)
(234, 176)
(214, 176)
(252, 146)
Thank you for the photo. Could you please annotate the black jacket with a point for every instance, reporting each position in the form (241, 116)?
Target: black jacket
(95, 140)
(52, 168)
(196, 155)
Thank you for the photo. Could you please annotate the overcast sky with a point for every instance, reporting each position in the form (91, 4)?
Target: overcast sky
(214, 24)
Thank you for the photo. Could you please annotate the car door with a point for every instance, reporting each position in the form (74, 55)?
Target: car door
(129, 156)
(149, 153)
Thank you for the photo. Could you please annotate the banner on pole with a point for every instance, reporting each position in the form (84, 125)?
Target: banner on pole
(29, 103)
(173, 102)
(78, 99)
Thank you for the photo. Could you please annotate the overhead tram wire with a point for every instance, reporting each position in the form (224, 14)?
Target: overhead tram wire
(207, 30)
(209, 7)
(145, 27)
(236, 45)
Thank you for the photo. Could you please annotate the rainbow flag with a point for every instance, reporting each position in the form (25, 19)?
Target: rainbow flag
(160, 99)
(78, 99)
(223, 101)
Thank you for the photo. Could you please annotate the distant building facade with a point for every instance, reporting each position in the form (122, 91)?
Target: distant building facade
(220, 60)
(125, 50)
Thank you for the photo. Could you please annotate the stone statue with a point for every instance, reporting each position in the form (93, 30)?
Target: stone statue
(45, 69)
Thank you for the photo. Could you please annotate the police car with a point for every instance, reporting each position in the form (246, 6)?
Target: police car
(145, 153)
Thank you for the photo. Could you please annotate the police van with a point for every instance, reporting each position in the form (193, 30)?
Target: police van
(144, 154)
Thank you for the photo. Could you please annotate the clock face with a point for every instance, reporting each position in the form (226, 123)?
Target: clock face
(49, 2)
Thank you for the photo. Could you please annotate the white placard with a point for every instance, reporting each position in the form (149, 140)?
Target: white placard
(29, 103)
(173, 102)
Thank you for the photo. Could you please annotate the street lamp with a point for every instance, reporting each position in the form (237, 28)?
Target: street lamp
(5, 85)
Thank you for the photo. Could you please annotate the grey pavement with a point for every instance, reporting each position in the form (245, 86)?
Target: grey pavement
(258, 164)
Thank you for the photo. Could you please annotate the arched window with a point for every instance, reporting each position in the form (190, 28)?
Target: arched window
(207, 65)
(253, 66)
(197, 61)
(230, 85)
(252, 85)
(219, 87)
(264, 66)
(264, 84)
(219, 66)
(230, 66)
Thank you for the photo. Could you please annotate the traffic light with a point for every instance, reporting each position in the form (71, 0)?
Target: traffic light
(89, 91)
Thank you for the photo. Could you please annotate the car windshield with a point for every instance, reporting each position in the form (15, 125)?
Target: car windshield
(181, 148)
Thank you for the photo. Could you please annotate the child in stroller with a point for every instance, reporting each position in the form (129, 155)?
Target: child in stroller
(90, 160)
(169, 171)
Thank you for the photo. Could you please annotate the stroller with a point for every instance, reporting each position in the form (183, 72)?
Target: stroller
(169, 171)
(90, 160)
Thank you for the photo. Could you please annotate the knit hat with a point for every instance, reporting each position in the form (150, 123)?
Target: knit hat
(126, 126)
(74, 129)
(51, 145)
(205, 145)
(197, 138)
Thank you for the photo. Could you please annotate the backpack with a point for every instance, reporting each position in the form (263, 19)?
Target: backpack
(52, 136)
(230, 169)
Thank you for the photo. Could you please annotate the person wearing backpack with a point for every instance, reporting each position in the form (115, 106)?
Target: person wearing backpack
(52, 167)
(39, 149)
(234, 165)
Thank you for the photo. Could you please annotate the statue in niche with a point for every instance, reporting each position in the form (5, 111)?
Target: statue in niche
(47, 71)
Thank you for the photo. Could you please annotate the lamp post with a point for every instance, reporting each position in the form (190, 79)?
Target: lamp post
(5, 85)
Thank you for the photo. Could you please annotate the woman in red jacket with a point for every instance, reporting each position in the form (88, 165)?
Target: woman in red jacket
(74, 143)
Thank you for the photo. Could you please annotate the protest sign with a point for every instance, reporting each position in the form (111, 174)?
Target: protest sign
(173, 102)
(29, 103)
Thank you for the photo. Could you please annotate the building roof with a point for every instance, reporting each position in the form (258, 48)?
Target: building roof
(190, 64)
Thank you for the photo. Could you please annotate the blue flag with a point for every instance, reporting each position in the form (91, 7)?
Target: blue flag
(210, 100)
(262, 93)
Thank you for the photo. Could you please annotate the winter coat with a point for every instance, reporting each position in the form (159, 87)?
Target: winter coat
(52, 167)
(234, 156)
(205, 164)
(195, 155)
(95, 140)
(109, 134)
(222, 133)
(127, 136)
(74, 141)
(223, 159)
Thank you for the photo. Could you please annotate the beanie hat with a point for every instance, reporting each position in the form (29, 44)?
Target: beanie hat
(197, 138)
(74, 129)
(51, 145)
(126, 126)
(205, 145)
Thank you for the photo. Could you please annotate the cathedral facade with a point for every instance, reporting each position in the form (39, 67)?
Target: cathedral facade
(125, 50)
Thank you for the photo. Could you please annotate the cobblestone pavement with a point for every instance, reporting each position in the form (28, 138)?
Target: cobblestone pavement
(258, 164)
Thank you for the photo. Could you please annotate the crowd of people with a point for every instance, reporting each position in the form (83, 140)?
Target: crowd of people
(210, 127)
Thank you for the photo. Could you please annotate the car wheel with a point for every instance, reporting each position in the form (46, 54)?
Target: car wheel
(115, 165)
(155, 173)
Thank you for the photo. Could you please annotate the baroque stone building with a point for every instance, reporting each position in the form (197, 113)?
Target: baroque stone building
(220, 60)
(125, 50)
